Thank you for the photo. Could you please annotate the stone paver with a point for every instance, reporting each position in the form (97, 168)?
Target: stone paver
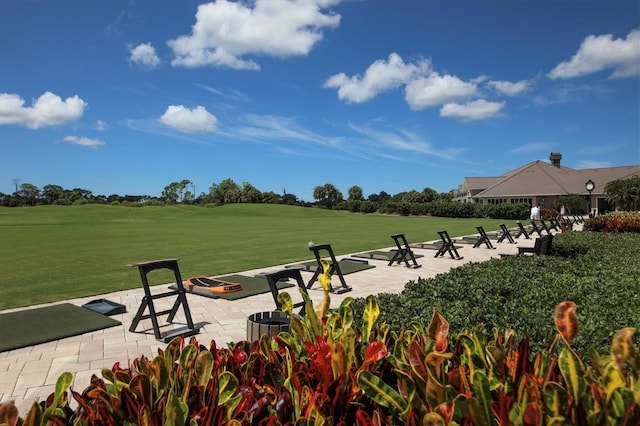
(29, 374)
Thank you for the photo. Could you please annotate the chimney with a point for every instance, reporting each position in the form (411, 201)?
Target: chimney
(555, 158)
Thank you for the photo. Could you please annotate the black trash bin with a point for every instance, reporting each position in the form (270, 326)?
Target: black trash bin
(269, 323)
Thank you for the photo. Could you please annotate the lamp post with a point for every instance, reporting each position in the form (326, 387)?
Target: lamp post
(589, 185)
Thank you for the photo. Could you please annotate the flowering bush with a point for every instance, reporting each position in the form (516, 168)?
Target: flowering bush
(549, 213)
(614, 222)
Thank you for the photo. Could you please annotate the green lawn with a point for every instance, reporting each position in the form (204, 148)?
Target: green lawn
(51, 253)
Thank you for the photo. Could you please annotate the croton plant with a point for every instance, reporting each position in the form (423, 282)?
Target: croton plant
(324, 371)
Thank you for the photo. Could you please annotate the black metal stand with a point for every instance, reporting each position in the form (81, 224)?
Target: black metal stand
(535, 228)
(522, 231)
(505, 234)
(147, 301)
(403, 252)
(483, 238)
(273, 279)
(334, 268)
(546, 227)
(447, 246)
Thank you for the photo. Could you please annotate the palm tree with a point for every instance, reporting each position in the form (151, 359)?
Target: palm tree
(624, 193)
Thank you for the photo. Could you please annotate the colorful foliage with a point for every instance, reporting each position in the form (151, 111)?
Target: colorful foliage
(328, 372)
(614, 222)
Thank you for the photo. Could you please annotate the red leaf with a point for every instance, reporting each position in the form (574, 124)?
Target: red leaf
(363, 419)
(566, 320)
(375, 351)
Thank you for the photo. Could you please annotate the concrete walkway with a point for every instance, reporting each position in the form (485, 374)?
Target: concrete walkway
(29, 374)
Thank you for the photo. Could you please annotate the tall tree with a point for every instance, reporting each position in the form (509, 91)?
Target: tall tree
(225, 192)
(429, 194)
(624, 193)
(29, 193)
(327, 195)
(176, 192)
(355, 193)
(52, 193)
(249, 193)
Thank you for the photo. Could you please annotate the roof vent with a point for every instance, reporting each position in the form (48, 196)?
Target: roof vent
(555, 158)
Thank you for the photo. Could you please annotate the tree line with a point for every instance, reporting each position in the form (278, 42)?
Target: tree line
(225, 192)
(623, 193)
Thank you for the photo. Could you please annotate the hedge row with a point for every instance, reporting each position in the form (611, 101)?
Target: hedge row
(440, 209)
(599, 272)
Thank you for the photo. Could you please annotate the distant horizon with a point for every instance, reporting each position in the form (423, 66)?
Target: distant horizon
(344, 192)
(121, 97)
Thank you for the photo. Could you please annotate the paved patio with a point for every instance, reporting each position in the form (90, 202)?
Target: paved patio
(29, 374)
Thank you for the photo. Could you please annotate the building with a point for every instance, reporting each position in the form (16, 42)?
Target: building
(542, 183)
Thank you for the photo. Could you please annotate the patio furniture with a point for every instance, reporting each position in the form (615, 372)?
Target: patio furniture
(542, 246)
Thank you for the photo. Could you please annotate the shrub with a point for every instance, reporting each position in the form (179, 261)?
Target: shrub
(600, 272)
(614, 222)
(132, 204)
(328, 372)
(549, 213)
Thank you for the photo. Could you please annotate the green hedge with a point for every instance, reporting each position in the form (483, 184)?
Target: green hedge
(599, 272)
(452, 209)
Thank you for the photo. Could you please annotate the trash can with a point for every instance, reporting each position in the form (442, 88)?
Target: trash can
(268, 323)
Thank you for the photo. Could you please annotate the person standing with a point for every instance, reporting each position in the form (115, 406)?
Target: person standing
(535, 212)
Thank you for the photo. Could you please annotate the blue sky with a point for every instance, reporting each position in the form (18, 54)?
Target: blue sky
(125, 97)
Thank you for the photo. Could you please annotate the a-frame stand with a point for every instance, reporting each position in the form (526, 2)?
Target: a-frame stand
(535, 228)
(283, 275)
(522, 231)
(483, 238)
(403, 252)
(447, 246)
(334, 268)
(147, 301)
(505, 234)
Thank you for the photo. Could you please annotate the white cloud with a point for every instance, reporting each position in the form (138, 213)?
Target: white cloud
(594, 164)
(100, 125)
(379, 77)
(475, 110)
(48, 110)
(226, 31)
(437, 89)
(598, 53)
(403, 140)
(533, 147)
(509, 88)
(82, 141)
(197, 120)
(144, 55)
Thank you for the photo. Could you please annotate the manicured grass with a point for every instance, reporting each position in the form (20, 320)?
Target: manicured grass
(51, 253)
